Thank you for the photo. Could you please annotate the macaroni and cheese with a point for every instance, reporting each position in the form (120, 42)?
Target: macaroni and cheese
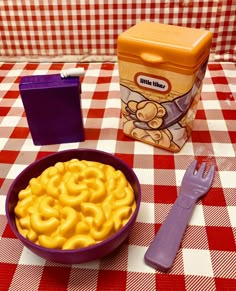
(74, 204)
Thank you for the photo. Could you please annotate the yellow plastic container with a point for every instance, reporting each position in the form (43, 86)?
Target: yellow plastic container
(161, 70)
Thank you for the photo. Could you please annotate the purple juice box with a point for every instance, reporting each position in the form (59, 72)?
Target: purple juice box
(53, 108)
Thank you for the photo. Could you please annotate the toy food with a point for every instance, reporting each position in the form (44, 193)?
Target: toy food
(74, 204)
(161, 70)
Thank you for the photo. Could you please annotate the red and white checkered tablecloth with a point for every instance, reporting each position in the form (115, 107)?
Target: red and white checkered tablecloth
(207, 257)
(77, 30)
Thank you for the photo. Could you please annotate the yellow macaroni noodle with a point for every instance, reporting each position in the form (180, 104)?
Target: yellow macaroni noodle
(74, 204)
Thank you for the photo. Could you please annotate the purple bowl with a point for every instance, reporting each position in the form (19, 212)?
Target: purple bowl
(83, 254)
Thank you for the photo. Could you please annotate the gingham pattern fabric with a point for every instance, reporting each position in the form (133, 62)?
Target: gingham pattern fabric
(88, 30)
(207, 257)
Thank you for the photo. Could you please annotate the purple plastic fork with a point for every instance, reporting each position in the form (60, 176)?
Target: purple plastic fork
(162, 251)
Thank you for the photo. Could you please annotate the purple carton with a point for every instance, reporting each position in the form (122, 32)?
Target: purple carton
(53, 108)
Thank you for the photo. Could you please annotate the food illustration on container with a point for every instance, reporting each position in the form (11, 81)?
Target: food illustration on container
(163, 123)
(161, 70)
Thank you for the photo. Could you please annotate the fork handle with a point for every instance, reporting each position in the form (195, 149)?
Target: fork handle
(162, 251)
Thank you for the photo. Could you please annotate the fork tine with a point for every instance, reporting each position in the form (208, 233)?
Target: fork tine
(211, 173)
(201, 169)
(191, 168)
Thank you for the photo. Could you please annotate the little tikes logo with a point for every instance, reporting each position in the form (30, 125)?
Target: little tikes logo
(152, 82)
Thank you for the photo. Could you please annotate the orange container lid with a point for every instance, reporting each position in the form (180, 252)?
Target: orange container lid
(161, 43)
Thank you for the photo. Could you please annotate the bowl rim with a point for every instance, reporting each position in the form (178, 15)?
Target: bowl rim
(98, 245)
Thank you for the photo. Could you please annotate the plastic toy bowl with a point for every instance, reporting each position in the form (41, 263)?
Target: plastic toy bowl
(79, 255)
